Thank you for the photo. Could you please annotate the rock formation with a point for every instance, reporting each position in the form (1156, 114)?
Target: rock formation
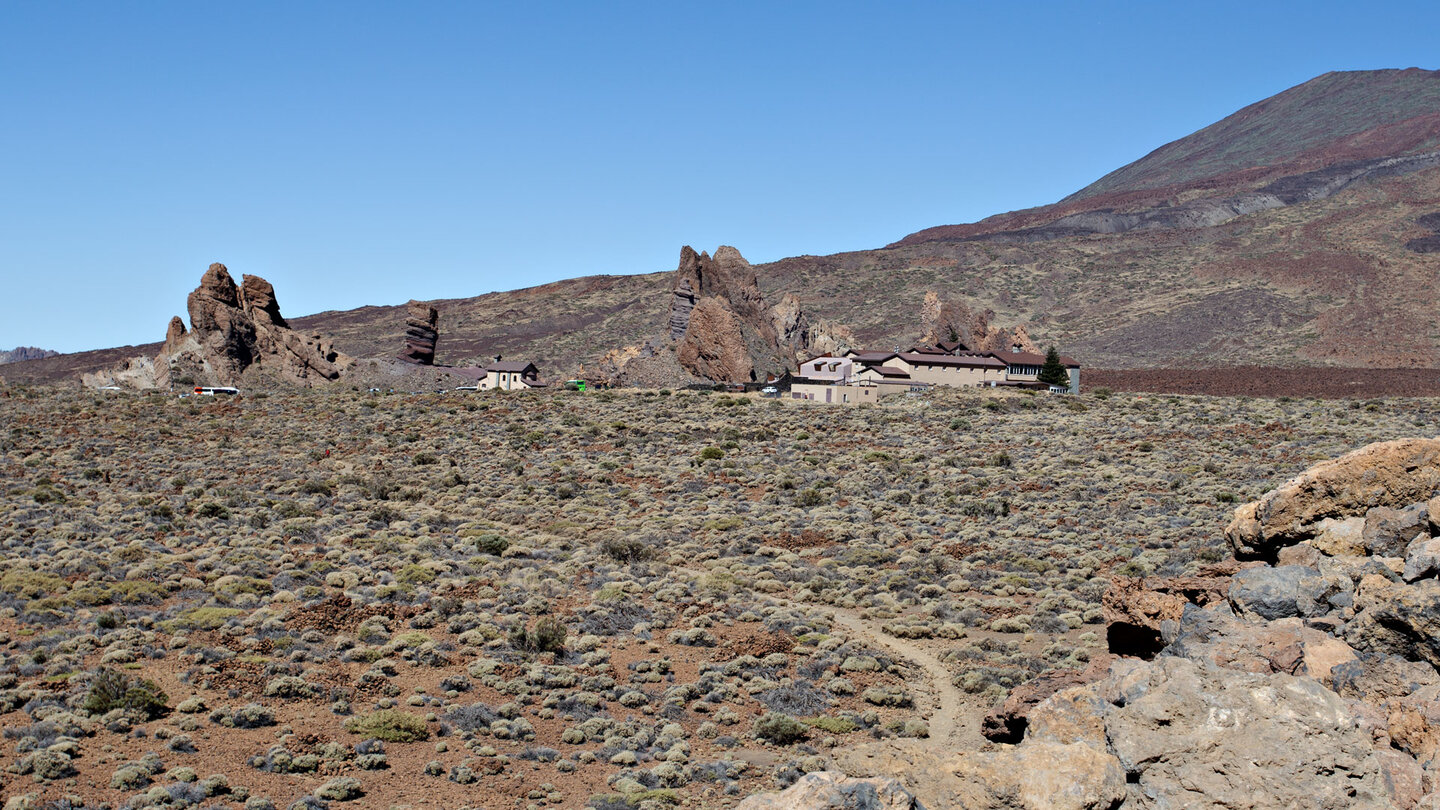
(804, 337)
(719, 317)
(681, 304)
(944, 320)
(232, 330)
(421, 334)
(725, 331)
(714, 345)
(23, 353)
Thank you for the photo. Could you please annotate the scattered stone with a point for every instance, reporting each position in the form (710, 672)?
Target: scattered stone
(831, 790)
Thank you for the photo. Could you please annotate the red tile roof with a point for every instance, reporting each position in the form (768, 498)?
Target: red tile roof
(1030, 359)
(960, 361)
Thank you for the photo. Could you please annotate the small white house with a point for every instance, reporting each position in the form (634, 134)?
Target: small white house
(511, 375)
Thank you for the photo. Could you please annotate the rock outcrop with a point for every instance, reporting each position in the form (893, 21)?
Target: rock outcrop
(714, 345)
(1383, 475)
(948, 321)
(682, 303)
(421, 334)
(233, 329)
(803, 337)
(719, 317)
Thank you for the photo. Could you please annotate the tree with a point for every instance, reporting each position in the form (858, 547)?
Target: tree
(1053, 372)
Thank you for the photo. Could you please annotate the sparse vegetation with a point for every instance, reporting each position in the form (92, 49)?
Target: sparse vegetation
(605, 605)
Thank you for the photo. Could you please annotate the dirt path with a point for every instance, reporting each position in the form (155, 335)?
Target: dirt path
(947, 702)
(953, 717)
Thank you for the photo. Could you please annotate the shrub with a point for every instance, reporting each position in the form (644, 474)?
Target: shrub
(780, 729)
(111, 689)
(491, 544)
(548, 635)
(833, 725)
(314, 487)
(809, 497)
(626, 549)
(712, 454)
(389, 725)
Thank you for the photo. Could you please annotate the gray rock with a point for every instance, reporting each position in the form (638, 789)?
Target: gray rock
(1378, 678)
(1422, 558)
(1281, 592)
(1215, 738)
(1401, 620)
(1388, 531)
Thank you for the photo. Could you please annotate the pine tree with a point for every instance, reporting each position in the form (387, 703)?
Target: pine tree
(1053, 372)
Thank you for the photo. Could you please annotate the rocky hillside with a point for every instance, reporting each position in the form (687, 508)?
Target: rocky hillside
(1300, 231)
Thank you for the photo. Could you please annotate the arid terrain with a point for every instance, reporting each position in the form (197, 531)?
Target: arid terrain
(552, 599)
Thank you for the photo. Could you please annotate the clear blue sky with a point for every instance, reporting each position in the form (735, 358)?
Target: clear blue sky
(367, 153)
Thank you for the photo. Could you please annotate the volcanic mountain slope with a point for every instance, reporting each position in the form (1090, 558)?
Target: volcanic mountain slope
(1302, 230)
(1293, 232)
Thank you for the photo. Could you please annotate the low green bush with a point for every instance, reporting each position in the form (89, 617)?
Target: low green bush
(111, 689)
(389, 725)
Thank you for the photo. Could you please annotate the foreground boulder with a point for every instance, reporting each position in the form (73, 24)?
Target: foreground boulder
(1393, 474)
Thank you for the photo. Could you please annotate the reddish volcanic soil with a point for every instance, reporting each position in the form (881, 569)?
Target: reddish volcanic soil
(1326, 383)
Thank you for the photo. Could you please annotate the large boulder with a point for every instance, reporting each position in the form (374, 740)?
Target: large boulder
(831, 790)
(1198, 737)
(1422, 558)
(1280, 592)
(1388, 531)
(1040, 775)
(1391, 474)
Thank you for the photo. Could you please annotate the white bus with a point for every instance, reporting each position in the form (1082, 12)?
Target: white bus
(210, 391)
